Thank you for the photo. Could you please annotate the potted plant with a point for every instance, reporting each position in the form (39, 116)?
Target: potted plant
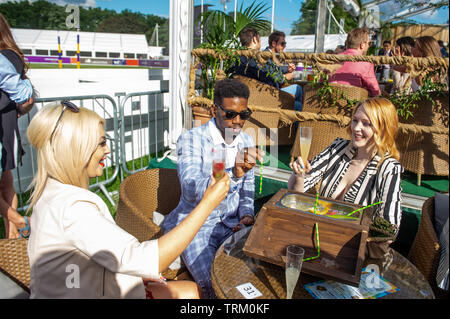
(221, 34)
(423, 151)
(381, 235)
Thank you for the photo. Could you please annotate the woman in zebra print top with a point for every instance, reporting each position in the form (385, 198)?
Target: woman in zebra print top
(363, 170)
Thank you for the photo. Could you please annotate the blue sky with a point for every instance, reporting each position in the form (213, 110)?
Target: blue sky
(286, 11)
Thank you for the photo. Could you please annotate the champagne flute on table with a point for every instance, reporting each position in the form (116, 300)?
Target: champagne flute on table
(305, 144)
(294, 260)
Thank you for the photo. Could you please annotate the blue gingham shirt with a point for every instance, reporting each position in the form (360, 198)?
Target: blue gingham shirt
(195, 170)
(19, 90)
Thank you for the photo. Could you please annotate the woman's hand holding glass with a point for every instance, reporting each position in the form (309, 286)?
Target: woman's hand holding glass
(299, 170)
(299, 167)
(217, 190)
(246, 160)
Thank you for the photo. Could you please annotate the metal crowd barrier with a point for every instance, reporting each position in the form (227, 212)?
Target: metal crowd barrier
(143, 129)
(136, 132)
(103, 105)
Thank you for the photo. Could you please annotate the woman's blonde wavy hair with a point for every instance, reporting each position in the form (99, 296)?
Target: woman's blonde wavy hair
(384, 119)
(65, 155)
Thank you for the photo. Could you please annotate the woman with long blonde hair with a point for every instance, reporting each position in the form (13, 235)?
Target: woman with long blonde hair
(75, 249)
(16, 98)
(363, 170)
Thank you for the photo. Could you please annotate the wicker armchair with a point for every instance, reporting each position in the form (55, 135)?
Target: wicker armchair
(426, 251)
(14, 261)
(140, 195)
(426, 153)
(325, 132)
(261, 94)
(266, 95)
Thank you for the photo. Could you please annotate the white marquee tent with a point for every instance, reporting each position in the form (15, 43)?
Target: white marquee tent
(94, 44)
(305, 43)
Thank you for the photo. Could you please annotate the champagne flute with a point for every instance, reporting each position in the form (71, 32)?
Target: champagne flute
(294, 260)
(305, 143)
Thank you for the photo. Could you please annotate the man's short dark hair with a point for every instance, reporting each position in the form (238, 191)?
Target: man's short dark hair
(387, 41)
(246, 36)
(276, 36)
(230, 88)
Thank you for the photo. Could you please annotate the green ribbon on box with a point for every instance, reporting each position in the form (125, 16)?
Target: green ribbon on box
(362, 208)
(318, 244)
(316, 226)
(261, 174)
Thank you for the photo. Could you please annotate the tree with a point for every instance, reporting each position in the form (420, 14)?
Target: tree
(306, 24)
(221, 33)
(50, 16)
(122, 24)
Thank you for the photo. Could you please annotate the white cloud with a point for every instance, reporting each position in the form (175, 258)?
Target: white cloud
(83, 3)
(432, 14)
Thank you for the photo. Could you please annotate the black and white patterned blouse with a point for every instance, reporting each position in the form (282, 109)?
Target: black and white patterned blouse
(373, 184)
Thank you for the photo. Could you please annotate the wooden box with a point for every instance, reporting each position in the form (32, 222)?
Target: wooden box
(342, 241)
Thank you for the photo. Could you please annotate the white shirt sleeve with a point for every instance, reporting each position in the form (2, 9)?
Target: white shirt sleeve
(108, 244)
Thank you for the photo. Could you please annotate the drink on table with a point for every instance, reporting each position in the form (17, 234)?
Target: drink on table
(294, 261)
(292, 275)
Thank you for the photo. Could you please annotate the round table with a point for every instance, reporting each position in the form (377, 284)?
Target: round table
(231, 268)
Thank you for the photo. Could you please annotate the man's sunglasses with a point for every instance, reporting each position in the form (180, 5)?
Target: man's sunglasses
(244, 115)
(283, 43)
(65, 104)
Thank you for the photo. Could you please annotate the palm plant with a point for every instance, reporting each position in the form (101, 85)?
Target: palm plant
(221, 33)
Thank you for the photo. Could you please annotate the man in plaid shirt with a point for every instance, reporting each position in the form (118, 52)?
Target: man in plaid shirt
(195, 161)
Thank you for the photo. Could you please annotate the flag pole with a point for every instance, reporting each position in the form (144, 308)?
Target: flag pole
(59, 52)
(78, 48)
(273, 11)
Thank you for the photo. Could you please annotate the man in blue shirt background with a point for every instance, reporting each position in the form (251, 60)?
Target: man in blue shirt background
(222, 132)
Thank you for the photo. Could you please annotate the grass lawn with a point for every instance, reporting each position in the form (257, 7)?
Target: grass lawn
(85, 66)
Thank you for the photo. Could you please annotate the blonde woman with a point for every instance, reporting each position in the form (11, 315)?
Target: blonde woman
(363, 170)
(75, 248)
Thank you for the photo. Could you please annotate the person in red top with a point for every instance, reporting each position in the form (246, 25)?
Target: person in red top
(360, 74)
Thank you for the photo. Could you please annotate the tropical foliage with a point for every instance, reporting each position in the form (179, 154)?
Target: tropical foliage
(221, 33)
(407, 104)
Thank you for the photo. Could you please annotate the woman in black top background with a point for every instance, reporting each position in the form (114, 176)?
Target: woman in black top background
(10, 109)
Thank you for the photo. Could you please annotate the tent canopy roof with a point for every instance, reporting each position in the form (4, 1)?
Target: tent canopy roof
(394, 11)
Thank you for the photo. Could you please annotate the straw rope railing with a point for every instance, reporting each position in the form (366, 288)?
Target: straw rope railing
(288, 117)
(415, 66)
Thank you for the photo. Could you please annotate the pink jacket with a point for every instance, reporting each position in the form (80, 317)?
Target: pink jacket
(360, 74)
